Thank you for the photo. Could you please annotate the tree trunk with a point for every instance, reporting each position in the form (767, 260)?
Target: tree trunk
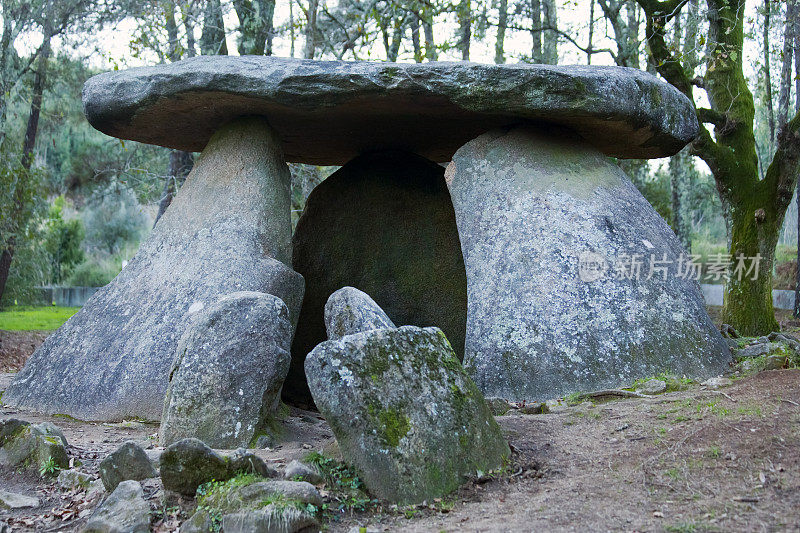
(680, 182)
(768, 78)
(464, 15)
(5, 266)
(212, 39)
(591, 33)
(502, 22)
(427, 29)
(32, 129)
(415, 40)
(747, 303)
(255, 26)
(797, 193)
(180, 164)
(536, 31)
(188, 24)
(786, 67)
(550, 42)
(311, 29)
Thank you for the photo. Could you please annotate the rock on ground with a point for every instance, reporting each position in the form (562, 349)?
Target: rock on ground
(124, 511)
(229, 367)
(129, 461)
(13, 500)
(270, 519)
(188, 463)
(551, 233)
(350, 310)
(404, 413)
(329, 112)
(383, 224)
(227, 230)
(32, 446)
(296, 470)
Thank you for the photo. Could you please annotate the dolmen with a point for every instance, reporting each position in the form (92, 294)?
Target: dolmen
(542, 217)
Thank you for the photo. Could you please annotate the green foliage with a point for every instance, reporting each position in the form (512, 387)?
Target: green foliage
(23, 318)
(347, 490)
(113, 219)
(62, 241)
(21, 209)
(48, 468)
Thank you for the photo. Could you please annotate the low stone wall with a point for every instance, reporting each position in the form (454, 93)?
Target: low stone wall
(68, 296)
(781, 299)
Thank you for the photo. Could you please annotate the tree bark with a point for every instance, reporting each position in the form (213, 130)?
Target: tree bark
(680, 183)
(768, 77)
(536, 31)
(550, 42)
(180, 164)
(591, 33)
(212, 39)
(464, 16)
(311, 29)
(502, 22)
(427, 29)
(415, 40)
(255, 26)
(786, 67)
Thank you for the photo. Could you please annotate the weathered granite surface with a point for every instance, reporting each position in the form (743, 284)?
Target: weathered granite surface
(328, 112)
(535, 209)
(228, 229)
(404, 412)
(229, 367)
(383, 224)
(350, 310)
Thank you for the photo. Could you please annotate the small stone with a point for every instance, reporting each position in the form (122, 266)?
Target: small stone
(299, 471)
(50, 429)
(125, 510)
(265, 441)
(350, 310)
(199, 522)
(189, 463)
(498, 406)
(717, 382)
(129, 461)
(270, 519)
(774, 362)
(534, 408)
(300, 491)
(243, 461)
(652, 386)
(32, 446)
(154, 455)
(13, 500)
(73, 479)
(229, 367)
(755, 350)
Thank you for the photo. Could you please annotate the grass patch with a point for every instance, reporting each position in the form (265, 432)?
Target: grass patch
(347, 491)
(27, 318)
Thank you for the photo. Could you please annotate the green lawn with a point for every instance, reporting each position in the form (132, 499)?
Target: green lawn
(25, 318)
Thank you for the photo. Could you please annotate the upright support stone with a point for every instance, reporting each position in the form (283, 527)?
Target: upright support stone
(227, 230)
(543, 219)
(384, 224)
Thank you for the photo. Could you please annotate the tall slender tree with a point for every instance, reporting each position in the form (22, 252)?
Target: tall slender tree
(754, 207)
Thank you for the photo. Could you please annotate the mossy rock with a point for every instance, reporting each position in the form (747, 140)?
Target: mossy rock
(404, 412)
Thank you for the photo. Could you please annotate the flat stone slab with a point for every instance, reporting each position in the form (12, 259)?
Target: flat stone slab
(328, 112)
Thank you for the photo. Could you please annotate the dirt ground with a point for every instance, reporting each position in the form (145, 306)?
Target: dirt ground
(16, 346)
(693, 460)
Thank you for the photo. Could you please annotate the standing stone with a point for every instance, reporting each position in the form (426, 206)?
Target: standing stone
(544, 219)
(129, 461)
(350, 310)
(383, 224)
(404, 412)
(227, 230)
(229, 367)
(125, 511)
